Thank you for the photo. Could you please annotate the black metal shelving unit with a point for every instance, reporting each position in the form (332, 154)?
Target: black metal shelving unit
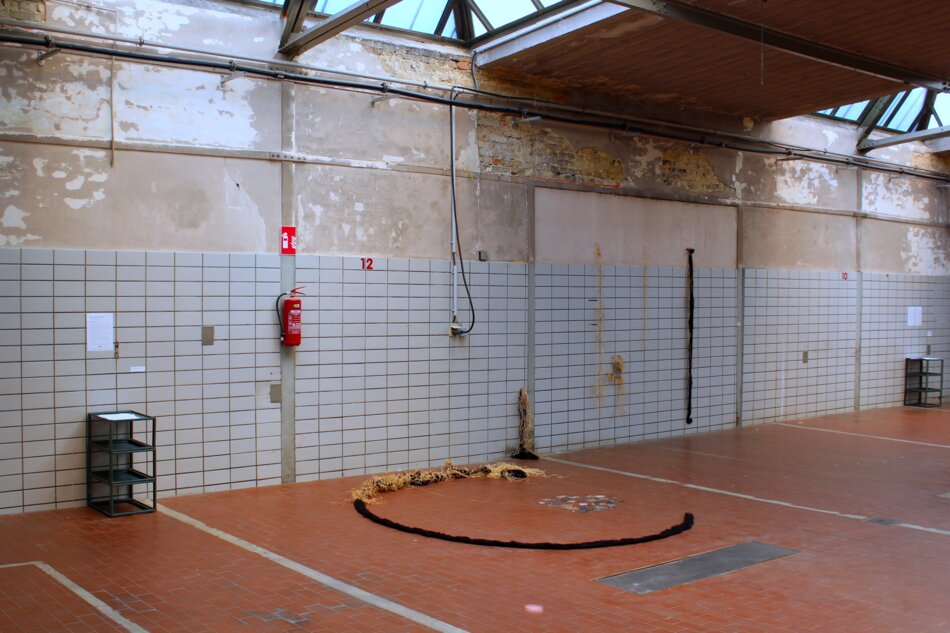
(120, 463)
(923, 382)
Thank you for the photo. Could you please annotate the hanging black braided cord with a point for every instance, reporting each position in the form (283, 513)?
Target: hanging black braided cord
(668, 532)
(689, 339)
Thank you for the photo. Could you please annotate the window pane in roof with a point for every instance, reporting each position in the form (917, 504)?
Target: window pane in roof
(478, 27)
(502, 12)
(415, 15)
(851, 112)
(332, 6)
(548, 3)
(942, 110)
(449, 30)
(895, 103)
(908, 111)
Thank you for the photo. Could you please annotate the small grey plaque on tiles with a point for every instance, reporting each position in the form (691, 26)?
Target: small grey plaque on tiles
(207, 335)
(275, 395)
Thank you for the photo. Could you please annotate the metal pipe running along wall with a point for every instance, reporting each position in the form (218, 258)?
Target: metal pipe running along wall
(426, 85)
(763, 147)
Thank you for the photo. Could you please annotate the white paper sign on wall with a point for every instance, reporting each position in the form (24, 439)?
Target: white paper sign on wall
(915, 316)
(100, 330)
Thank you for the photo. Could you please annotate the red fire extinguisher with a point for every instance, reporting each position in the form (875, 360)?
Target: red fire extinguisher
(289, 314)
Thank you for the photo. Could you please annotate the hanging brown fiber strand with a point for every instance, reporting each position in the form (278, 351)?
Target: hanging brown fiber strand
(380, 484)
(390, 482)
(526, 429)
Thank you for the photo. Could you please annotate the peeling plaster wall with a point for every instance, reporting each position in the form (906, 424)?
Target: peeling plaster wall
(907, 249)
(351, 127)
(390, 155)
(70, 197)
(791, 240)
(362, 211)
(578, 228)
(67, 97)
(220, 26)
(184, 107)
(902, 197)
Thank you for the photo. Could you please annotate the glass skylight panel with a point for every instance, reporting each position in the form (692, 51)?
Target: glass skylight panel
(906, 111)
(422, 16)
(450, 30)
(851, 112)
(941, 111)
(478, 27)
(415, 15)
(502, 12)
(332, 6)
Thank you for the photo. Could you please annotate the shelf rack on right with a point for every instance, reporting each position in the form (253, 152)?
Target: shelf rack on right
(923, 382)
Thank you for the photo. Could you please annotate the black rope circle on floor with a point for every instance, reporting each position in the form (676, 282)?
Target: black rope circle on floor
(635, 540)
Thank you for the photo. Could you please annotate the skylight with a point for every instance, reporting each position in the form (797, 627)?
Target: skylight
(463, 20)
(907, 111)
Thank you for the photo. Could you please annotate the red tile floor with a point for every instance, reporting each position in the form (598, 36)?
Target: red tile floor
(297, 557)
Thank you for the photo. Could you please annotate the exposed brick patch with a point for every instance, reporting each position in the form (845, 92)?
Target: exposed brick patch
(25, 10)
(420, 64)
(690, 170)
(506, 147)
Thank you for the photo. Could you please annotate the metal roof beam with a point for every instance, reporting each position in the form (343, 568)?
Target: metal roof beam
(571, 20)
(683, 12)
(873, 114)
(294, 12)
(922, 135)
(926, 111)
(939, 146)
(333, 25)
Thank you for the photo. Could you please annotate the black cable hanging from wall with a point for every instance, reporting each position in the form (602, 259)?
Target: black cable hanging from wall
(455, 220)
(689, 337)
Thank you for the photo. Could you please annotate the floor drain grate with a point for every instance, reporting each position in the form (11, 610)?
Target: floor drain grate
(882, 521)
(698, 567)
(944, 495)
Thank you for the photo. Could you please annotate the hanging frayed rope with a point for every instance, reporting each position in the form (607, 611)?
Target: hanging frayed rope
(526, 429)
(375, 486)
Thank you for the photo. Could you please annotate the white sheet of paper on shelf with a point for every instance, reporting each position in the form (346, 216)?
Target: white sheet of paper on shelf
(116, 417)
(100, 329)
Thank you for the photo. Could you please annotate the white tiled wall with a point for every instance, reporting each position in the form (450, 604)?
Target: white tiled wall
(788, 313)
(382, 386)
(217, 427)
(585, 316)
(379, 383)
(886, 339)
